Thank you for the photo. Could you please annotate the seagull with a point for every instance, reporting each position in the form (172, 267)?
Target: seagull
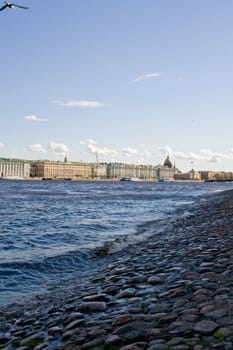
(11, 6)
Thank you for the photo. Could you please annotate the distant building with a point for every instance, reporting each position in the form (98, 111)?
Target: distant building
(207, 175)
(119, 170)
(45, 169)
(191, 175)
(166, 171)
(168, 163)
(143, 172)
(99, 170)
(78, 170)
(62, 170)
(216, 175)
(14, 169)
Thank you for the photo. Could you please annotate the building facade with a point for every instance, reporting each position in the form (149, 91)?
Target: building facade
(14, 169)
(74, 170)
(45, 169)
(142, 172)
(216, 175)
(62, 170)
(190, 175)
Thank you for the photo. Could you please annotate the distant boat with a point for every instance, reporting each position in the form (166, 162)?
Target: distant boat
(130, 179)
(166, 180)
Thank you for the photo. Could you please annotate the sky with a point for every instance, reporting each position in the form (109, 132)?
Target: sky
(127, 81)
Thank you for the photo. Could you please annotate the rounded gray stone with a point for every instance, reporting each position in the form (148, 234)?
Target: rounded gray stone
(205, 327)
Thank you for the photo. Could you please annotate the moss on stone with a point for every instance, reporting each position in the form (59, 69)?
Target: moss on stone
(33, 342)
(103, 251)
(218, 334)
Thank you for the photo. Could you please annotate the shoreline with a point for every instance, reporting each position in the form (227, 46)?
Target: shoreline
(173, 291)
(95, 180)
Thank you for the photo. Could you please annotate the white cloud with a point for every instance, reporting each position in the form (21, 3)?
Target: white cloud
(144, 153)
(113, 154)
(182, 155)
(194, 156)
(91, 141)
(216, 157)
(147, 154)
(94, 149)
(165, 150)
(105, 151)
(34, 118)
(1, 145)
(58, 148)
(87, 142)
(82, 103)
(36, 148)
(146, 77)
(128, 151)
(230, 152)
(204, 155)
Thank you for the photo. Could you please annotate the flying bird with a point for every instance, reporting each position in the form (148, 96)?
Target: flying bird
(11, 6)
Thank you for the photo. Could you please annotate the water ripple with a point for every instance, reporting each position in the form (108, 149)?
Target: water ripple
(48, 229)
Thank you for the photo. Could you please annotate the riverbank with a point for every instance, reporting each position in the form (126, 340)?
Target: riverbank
(174, 291)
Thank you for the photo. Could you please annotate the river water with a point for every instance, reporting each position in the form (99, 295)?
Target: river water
(50, 229)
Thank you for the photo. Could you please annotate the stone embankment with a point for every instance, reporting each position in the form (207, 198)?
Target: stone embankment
(173, 292)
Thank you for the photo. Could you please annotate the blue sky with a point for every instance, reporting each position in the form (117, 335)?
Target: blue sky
(126, 80)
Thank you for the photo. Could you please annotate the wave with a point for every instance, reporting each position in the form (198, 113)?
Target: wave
(53, 233)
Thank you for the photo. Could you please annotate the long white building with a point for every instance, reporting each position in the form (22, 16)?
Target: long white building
(45, 169)
(14, 169)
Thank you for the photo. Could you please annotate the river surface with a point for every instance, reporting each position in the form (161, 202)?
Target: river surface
(49, 230)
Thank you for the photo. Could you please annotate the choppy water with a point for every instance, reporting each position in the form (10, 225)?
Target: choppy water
(49, 229)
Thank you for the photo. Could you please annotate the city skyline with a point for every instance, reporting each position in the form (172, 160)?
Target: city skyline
(118, 81)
